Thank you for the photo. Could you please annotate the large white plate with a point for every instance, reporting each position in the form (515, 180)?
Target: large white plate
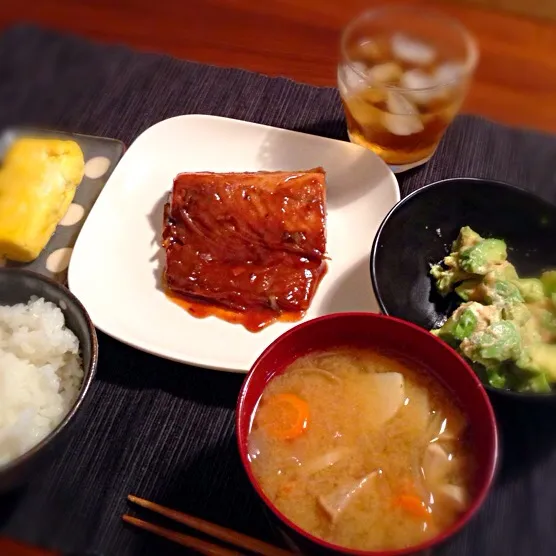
(117, 261)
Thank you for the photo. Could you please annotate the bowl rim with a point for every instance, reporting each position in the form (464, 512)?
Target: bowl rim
(480, 496)
(536, 396)
(87, 381)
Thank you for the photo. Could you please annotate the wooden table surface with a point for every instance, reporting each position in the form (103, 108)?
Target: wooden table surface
(515, 82)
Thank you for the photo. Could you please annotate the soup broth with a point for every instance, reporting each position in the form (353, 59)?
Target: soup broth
(362, 450)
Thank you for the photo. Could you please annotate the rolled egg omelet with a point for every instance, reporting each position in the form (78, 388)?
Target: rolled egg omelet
(38, 180)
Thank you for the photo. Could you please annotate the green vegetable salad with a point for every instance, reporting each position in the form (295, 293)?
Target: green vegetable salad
(506, 326)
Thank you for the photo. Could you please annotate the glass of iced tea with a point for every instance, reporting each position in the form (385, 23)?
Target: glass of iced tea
(403, 75)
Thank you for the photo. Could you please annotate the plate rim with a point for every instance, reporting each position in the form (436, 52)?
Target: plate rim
(207, 364)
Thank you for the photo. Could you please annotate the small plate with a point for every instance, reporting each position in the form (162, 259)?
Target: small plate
(118, 260)
(101, 156)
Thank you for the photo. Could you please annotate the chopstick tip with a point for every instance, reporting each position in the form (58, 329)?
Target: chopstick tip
(139, 501)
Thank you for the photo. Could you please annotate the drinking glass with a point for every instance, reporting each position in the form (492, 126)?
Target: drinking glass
(403, 76)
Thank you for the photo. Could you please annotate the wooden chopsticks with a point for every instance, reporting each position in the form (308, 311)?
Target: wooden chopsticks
(204, 547)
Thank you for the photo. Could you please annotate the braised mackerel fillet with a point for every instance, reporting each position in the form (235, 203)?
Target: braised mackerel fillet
(252, 244)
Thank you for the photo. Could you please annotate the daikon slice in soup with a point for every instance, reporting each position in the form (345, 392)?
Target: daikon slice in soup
(362, 449)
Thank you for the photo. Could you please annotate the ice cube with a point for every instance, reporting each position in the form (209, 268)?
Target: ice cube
(389, 72)
(362, 109)
(352, 78)
(399, 104)
(402, 125)
(412, 51)
(422, 85)
(417, 79)
(448, 72)
(402, 117)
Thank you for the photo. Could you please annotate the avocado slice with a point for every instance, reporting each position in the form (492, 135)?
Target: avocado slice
(537, 383)
(502, 292)
(446, 278)
(531, 289)
(480, 258)
(471, 290)
(548, 280)
(516, 312)
(502, 271)
(466, 238)
(540, 359)
(501, 341)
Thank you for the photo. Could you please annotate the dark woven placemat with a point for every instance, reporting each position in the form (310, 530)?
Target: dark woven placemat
(165, 431)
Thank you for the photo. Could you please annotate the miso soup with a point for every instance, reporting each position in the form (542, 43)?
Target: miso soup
(362, 450)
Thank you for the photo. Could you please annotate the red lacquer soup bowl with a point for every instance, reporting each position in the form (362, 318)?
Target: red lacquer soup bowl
(396, 337)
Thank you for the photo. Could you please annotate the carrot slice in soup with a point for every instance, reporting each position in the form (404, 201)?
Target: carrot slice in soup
(413, 505)
(284, 416)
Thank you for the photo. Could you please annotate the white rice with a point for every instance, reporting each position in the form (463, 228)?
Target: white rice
(40, 374)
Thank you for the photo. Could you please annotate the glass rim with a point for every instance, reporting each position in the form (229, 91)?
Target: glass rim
(471, 46)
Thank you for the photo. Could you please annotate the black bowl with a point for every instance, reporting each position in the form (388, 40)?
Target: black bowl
(419, 231)
(17, 286)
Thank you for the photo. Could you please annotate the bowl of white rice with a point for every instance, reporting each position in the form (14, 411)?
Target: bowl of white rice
(48, 358)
